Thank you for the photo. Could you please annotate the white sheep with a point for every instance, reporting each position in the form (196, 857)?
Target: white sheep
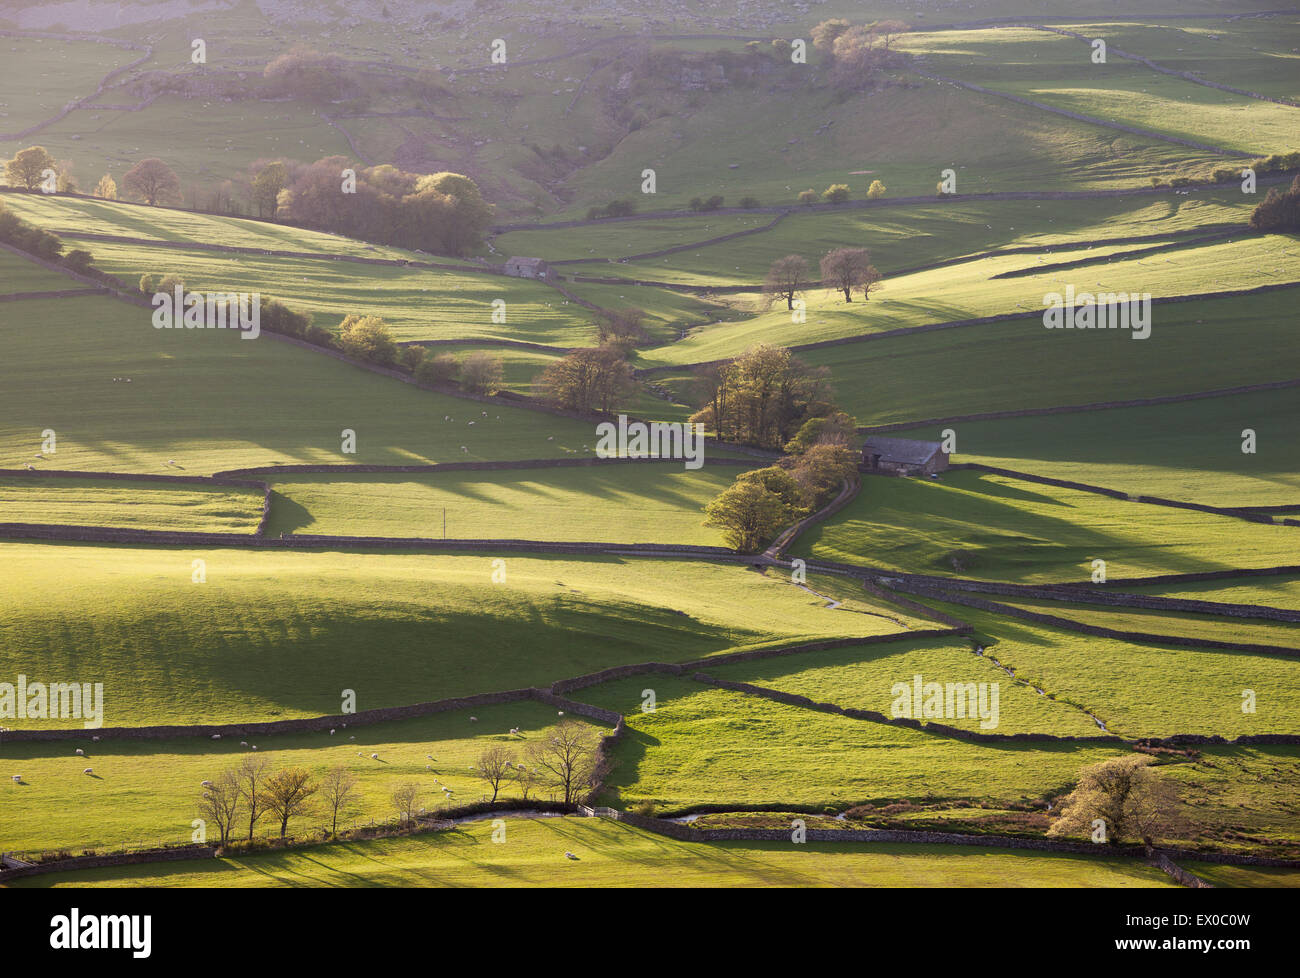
(89, 770)
(80, 752)
(18, 777)
(206, 784)
(473, 719)
(216, 736)
(254, 747)
(331, 731)
(95, 739)
(569, 855)
(560, 714)
(243, 743)
(428, 757)
(374, 757)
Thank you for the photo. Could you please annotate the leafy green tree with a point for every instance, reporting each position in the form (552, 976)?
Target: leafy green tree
(28, 166)
(836, 193)
(367, 338)
(268, 183)
(749, 514)
(1127, 794)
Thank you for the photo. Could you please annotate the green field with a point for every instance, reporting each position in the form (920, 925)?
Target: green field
(1189, 451)
(660, 502)
(996, 528)
(863, 678)
(17, 274)
(610, 854)
(148, 506)
(716, 747)
(1145, 690)
(146, 792)
(280, 634)
(212, 400)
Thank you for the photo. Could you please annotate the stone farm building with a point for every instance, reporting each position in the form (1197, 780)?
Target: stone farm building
(903, 456)
(528, 268)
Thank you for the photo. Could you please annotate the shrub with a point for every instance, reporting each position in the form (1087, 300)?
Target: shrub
(440, 369)
(836, 193)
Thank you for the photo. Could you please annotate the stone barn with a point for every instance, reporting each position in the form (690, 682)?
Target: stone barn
(528, 268)
(903, 456)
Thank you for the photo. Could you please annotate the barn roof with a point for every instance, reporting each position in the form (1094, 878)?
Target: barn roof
(908, 451)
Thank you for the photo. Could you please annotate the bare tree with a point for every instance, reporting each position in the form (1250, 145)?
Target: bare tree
(338, 790)
(288, 793)
(494, 766)
(220, 803)
(846, 269)
(786, 278)
(570, 753)
(1129, 796)
(251, 775)
(527, 779)
(406, 799)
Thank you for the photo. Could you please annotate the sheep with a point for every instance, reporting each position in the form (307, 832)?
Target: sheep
(95, 739)
(331, 731)
(569, 855)
(216, 736)
(89, 770)
(359, 754)
(18, 777)
(473, 719)
(243, 743)
(352, 738)
(560, 713)
(374, 757)
(206, 784)
(464, 449)
(428, 757)
(254, 747)
(80, 752)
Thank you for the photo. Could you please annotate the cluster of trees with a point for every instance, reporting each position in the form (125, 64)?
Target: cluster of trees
(1279, 211)
(615, 208)
(443, 213)
(820, 459)
(591, 381)
(857, 54)
(566, 761)
(439, 212)
(842, 269)
(838, 193)
(762, 397)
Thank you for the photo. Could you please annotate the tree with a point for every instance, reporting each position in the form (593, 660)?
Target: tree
(251, 776)
(822, 470)
(748, 515)
(876, 190)
(152, 181)
(621, 327)
(406, 800)
(65, 182)
(825, 33)
(836, 428)
(808, 197)
(836, 193)
(787, 277)
(79, 260)
(481, 373)
(268, 183)
(870, 279)
(526, 779)
(570, 753)
(494, 765)
(588, 381)
(762, 397)
(367, 338)
(846, 269)
(1128, 795)
(106, 189)
(27, 168)
(219, 803)
(306, 73)
(440, 369)
(1279, 211)
(288, 793)
(779, 483)
(338, 790)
